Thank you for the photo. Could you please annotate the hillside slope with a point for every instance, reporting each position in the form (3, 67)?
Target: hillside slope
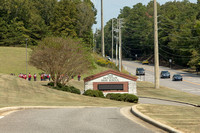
(19, 92)
(13, 60)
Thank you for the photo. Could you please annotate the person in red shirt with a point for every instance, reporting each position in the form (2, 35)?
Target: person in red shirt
(25, 76)
(29, 77)
(42, 76)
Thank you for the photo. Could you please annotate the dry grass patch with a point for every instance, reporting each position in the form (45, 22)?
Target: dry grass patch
(186, 119)
(146, 89)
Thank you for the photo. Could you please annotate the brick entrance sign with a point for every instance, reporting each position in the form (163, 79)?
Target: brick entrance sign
(111, 82)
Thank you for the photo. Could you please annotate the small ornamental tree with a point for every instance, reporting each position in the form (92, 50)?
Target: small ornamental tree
(62, 58)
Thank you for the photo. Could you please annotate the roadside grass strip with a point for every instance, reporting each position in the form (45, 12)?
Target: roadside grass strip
(146, 89)
(185, 119)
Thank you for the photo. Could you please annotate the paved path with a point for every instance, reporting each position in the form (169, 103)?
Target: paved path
(70, 120)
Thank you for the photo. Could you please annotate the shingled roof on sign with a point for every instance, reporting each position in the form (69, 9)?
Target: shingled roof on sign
(92, 77)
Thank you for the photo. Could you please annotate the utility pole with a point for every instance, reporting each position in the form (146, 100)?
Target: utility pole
(156, 58)
(102, 31)
(112, 39)
(120, 46)
(117, 30)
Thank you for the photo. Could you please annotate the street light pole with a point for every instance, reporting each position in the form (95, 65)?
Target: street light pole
(26, 56)
(112, 39)
(156, 58)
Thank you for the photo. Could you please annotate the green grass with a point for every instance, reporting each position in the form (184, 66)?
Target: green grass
(146, 89)
(185, 119)
(13, 60)
(19, 92)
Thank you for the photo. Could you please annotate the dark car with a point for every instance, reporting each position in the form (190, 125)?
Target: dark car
(177, 77)
(164, 74)
(140, 71)
(108, 58)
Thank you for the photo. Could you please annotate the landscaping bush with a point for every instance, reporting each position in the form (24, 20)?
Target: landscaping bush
(131, 98)
(74, 90)
(122, 97)
(58, 84)
(94, 93)
(50, 84)
(66, 88)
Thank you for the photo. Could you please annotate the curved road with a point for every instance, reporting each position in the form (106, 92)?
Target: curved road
(190, 83)
(69, 120)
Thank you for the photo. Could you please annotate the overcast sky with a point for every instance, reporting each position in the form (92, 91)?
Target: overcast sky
(112, 8)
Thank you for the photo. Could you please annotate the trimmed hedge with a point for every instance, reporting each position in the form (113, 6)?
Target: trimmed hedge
(122, 97)
(93, 93)
(66, 88)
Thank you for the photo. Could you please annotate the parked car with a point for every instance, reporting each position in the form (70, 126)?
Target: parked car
(140, 71)
(145, 62)
(177, 77)
(165, 74)
(108, 58)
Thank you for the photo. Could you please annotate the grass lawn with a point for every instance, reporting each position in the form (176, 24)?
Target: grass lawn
(186, 119)
(13, 60)
(19, 92)
(146, 89)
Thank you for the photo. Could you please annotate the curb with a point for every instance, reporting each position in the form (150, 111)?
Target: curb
(152, 121)
(195, 105)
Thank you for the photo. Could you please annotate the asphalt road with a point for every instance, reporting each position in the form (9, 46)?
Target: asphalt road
(190, 83)
(70, 120)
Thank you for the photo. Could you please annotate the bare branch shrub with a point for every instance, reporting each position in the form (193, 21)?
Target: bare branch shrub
(62, 58)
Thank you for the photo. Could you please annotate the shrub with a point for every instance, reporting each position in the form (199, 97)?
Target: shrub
(50, 84)
(122, 97)
(94, 93)
(74, 90)
(131, 98)
(66, 88)
(58, 84)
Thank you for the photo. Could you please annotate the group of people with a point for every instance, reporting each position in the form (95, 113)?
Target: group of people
(43, 76)
(24, 76)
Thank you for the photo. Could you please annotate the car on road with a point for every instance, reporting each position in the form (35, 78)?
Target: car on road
(145, 62)
(177, 77)
(108, 58)
(165, 74)
(140, 71)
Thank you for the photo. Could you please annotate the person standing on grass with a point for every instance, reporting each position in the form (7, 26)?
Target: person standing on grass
(25, 76)
(79, 77)
(35, 76)
(29, 77)
(41, 77)
(49, 77)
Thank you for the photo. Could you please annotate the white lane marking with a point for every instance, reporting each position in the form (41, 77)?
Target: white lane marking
(1, 117)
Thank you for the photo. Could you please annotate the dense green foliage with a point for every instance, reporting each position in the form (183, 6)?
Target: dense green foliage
(178, 32)
(93, 93)
(122, 97)
(66, 88)
(36, 19)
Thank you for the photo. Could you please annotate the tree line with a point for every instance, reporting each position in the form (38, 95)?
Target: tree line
(178, 32)
(37, 19)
